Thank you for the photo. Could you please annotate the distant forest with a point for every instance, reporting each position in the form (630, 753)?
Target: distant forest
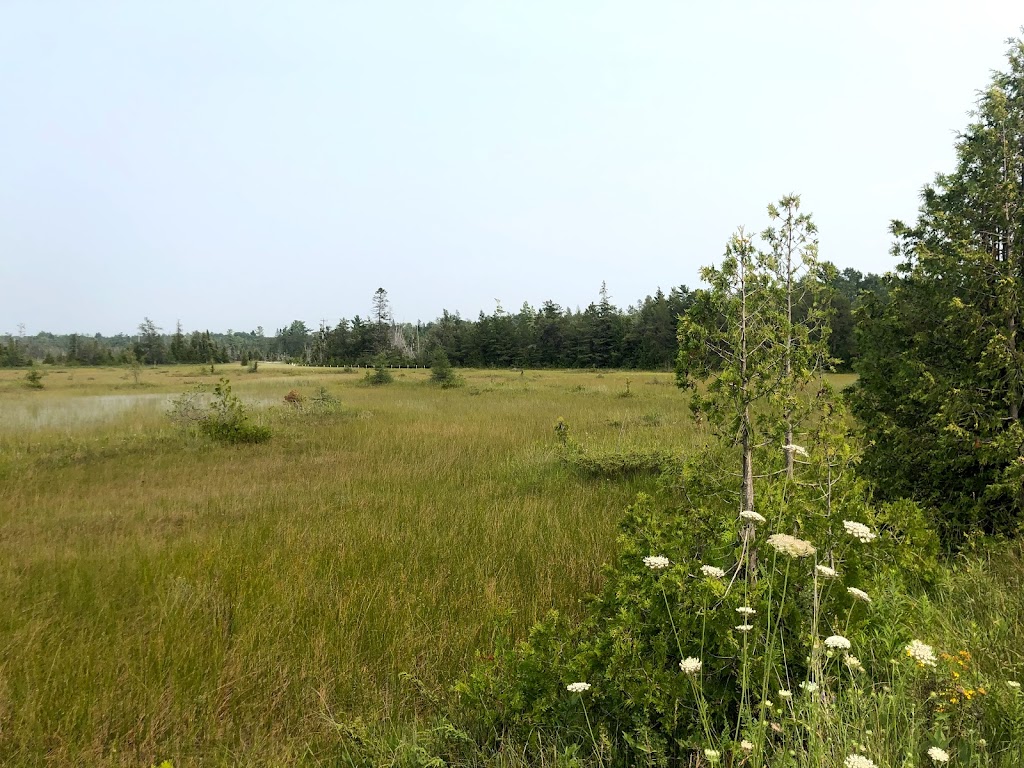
(642, 336)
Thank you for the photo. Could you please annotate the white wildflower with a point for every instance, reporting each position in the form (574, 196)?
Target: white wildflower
(938, 755)
(859, 594)
(746, 610)
(858, 761)
(922, 653)
(690, 665)
(797, 449)
(838, 642)
(824, 570)
(854, 664)
(1013, 684)
(744, 627)
(752, 516)
(747, 746)
(859, 531)
(712, 572)
(577, 687)
(785, 694)
(791, 545)
(657, 562)
(712, 755)
(809, 686)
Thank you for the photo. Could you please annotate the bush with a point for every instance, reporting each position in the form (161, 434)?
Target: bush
(34, 378)
(441, 371)
(380, 375)
(224, 419)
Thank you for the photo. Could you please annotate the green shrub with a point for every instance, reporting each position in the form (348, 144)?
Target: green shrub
(226, 420)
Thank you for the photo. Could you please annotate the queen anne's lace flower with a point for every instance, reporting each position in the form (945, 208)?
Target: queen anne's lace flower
(690, 665)
(712, 572)
(785, 694)
(858, 761)
(838, 642)
(854, 663)
(938, 755)
(752, 516)
(824, 570)
(809, 686)
(577, 687)
(746, 610)
(797, 449)
(922, 653)
(747, 746)
(1013, 684)
(791, 545)
(657, 562)
(859, 531)
(744, 627)
(712, 755)
(859, 594)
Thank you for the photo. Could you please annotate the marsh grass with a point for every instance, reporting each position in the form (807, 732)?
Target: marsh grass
(168, 597)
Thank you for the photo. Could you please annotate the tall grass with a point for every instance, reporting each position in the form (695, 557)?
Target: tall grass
(166, 597)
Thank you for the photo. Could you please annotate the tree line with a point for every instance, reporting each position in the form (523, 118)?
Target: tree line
(602, 335)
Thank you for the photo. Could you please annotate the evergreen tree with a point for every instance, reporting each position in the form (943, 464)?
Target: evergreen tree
(942, 365)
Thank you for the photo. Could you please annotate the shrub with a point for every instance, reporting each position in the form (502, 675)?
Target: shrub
(226, 420)
(441, 371)
(34, 378)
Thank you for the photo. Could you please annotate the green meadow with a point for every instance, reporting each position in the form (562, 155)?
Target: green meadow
(167, 597)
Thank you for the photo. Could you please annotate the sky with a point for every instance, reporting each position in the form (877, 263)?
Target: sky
(231, 165)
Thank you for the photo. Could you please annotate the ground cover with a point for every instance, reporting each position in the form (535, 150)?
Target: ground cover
(167, 596)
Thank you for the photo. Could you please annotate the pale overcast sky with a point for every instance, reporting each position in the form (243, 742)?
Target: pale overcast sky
(235, 164)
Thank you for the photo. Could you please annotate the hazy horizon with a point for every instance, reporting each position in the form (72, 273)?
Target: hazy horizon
(248, 164)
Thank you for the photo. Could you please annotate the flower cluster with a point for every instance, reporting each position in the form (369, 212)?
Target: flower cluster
(938, 755)
(799, 450)
(859, 594)
(837, 642)
(746, 610)
(712, 572)
(657, 562)
(791, 545)
(922, 653)
(752, 516)
(828, 573)
(577, 687)
(859, 531)
(690, 665)
(858, 761)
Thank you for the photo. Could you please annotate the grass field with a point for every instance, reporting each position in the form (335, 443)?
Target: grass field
(168, 597)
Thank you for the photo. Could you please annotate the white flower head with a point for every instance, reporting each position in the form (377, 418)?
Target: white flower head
(577, 687)
(859, 594)
(810, 686)
(785, 694)
(752, 516)
(712, 572)
(859, 531)
(938, 755)
(747, 746)
(690, 665)
(797, 449)
(744, 627)
(854, 663)
(858, 761)
(712, 755)
(657, 562)
(746, 610)
(922, 653)
(838, 642)
(1013, 684)
(824, 570)
(791, 545)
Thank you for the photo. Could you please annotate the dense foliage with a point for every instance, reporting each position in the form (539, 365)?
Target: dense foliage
(942, 362)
